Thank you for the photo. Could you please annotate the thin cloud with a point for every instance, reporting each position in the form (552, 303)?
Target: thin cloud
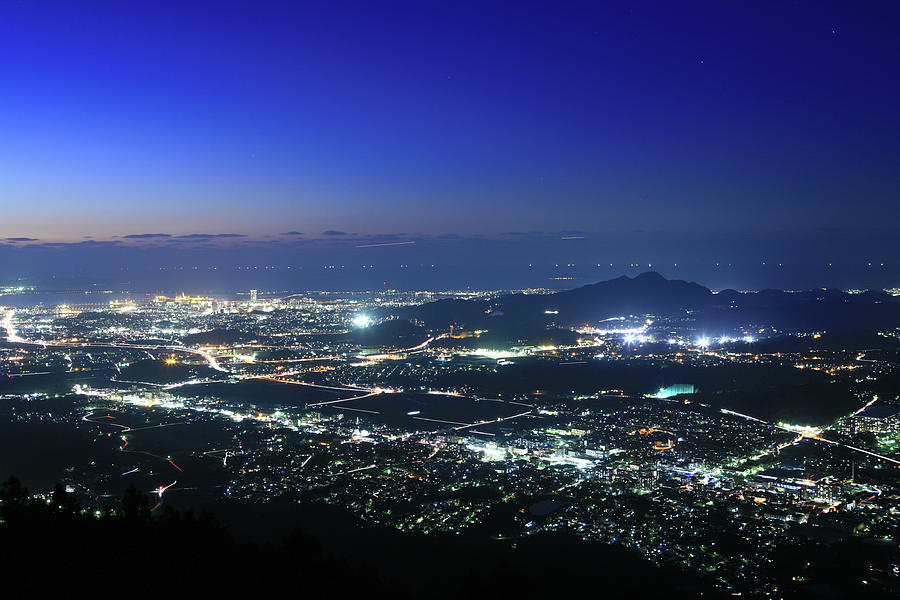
(209, 236)
(86, 243)
(292, 233)
(333, 232)
(21, 239)
(146, 236)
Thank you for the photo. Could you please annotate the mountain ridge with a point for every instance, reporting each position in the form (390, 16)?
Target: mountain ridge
(650, 293)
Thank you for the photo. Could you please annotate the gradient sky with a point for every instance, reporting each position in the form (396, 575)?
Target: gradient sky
(632, 123)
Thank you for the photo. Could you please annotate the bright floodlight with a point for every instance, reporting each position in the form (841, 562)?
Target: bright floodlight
(703, 342)
(635, 338)
(362, 321)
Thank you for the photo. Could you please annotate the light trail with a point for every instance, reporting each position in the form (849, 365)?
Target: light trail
(11, 335)
(296, 360)
(150, 383)
(209, 357)
(224, 459)
(28, 374)
(861, 355)
(315, 385)
(875, 454)
(362, 410)
(172, 386)
(126, 429)
(161, 489)
(124, 448)
(372, 466)
(568, 485)
(866, 405)
(157, 426)
(813, 433)
(89, 420)
(497, 420)
(343, 400)
(731, 412)
(159, 494)
(421, 346)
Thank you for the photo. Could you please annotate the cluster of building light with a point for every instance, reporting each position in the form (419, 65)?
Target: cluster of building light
(636, 338)
(639, 336)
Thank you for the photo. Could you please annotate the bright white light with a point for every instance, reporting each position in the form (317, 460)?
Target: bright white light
(703, 342)
(749, 339)
(635, 338)
(362, 321)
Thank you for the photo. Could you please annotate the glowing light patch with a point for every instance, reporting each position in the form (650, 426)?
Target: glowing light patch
(362, 321)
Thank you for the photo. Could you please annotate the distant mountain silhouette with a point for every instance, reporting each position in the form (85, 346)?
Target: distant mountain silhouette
(652, 294)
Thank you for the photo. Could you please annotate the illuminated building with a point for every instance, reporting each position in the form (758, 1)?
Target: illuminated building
(878, 419)
(674, 390)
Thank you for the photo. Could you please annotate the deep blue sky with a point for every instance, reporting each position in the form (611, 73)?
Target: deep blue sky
(692, 131)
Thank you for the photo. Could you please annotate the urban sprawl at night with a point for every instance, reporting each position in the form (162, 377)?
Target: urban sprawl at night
(710, 451)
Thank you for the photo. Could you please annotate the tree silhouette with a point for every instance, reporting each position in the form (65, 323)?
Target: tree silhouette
(13, 499)
(135, 504)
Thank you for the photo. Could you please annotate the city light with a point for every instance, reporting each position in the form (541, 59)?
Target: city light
(362, 321)
(418, 398)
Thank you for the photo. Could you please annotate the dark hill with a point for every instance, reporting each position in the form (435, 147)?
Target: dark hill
(128, 546)
(648, 293)
(651, 293)
(216, 337)
(393, 332)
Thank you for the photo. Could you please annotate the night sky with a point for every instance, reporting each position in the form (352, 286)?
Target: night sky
(474, 132)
